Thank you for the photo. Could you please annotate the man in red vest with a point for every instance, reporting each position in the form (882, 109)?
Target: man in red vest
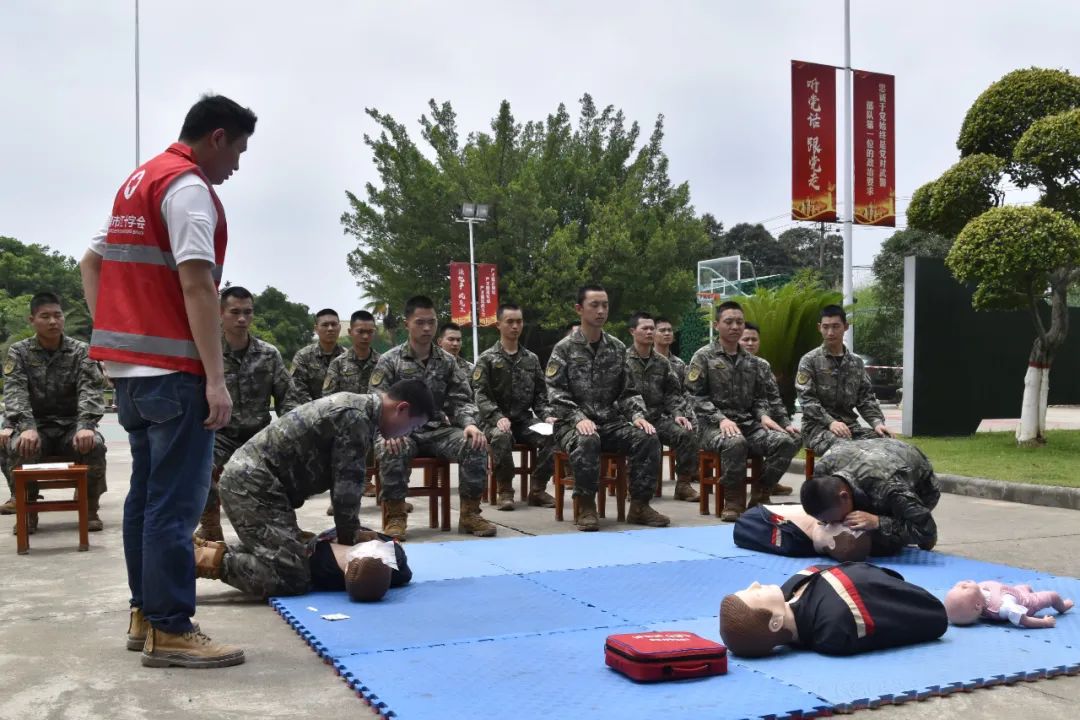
(150, 278)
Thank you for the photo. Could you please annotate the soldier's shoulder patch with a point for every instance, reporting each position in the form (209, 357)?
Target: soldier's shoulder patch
(477, 372)
(802, 378)
(552, 368)
(694, 374)
(9, 365)
(376, 377)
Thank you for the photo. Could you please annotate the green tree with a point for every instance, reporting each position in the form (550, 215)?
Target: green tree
(280, 322)
(818, 249)
(569, 204)
(757, 245)
(1025, 126)
(28, 269)
(889, 263)
(878, 328)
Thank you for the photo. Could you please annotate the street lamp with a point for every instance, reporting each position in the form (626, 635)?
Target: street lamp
(472, 213)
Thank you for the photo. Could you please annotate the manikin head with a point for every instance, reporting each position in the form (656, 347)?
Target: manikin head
(407, 405)
(964, 602)
(839, 543)
(752, 621)
(827, 497)
(367, 579)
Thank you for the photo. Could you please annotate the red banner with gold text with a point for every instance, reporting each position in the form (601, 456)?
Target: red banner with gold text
(813, 142)
(487, 294)
(460, 294)
(874, 149)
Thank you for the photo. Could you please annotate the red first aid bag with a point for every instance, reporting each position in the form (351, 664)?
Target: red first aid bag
(667, 655)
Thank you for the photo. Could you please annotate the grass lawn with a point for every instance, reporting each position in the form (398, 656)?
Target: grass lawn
(995, 455)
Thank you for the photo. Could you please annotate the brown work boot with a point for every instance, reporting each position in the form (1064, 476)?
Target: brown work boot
(137, 629)
(779, 489)
(210, 524)
(759, 496)
(506, 495)
(31, 526)
(734, 503)
(190, 650)
(539, 497)
(684, 489)
(396, 518)
(8, 508)
(586, 517)
(470, 521)
(330, 509)
(208, 557)
(641, 513)
(369, 489)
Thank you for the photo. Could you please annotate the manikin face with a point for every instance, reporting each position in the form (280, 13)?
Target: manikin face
(421, 326)
(767, 597)
(510, 325)
(594, 310)
(236, 315)
(328, 328)
(48, 322)
(730, 326)
(644, 332)
(451, 342)
(751, 341)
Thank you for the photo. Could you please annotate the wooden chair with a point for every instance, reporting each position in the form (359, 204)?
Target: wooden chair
(809, 469)
(710, 475)
(670, 455)
(52, 479)
(613, 474)
(436, 489)
(522, 470)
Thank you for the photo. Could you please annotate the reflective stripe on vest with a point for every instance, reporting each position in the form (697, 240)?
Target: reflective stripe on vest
(148, 344)
(147, 254)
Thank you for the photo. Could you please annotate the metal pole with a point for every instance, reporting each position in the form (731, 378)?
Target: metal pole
(137, 157)
(849, 203)
(472, 274)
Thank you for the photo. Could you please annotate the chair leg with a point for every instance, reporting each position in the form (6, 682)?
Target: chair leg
(559, 489)
(491, 490)
(620, 489)
(809, 470)
(718, 497)
(22, 517)
(443, 483)
(430, 482)
(84, 515)
(704, 485)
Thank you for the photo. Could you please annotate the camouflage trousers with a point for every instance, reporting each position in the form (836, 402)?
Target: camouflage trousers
(502, 443)
(271, 558)
(5, 470)
(776, 448)
(821, 439)
(224, 447)
(618, 436)
(684, 442)
(445, 442)
(56, 441)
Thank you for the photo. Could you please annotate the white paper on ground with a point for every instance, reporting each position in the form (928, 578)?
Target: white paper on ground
(379, 549)
(335, 616)
(542, 428)
(313, 609)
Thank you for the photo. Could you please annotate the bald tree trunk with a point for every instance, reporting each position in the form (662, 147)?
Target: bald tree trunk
(1032, 428)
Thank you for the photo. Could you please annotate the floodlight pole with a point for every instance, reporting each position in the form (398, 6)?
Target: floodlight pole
(849, 203)
(472, 273)
(137, 161)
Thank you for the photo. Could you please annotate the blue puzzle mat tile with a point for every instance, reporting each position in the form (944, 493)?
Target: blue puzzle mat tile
(506, 673)
(714, 540)
(575, 551)
(443, 561)
(661, 591)
(434, 613)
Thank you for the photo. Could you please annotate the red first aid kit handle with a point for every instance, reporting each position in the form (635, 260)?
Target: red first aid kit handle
(696, 668)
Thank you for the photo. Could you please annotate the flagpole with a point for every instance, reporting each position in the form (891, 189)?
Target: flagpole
(137, 155)
(849, 205)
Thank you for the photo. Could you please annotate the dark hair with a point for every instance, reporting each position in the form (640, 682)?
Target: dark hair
(636, 318)
(819, 494)
(217, 111)
(417, 302)
(361, 315)
(745, 630)
(752, 326)
(446, 327)
(661, 319)
(41, 299)
(238, 292)
(325, 311)
(727, 305)
(834, 311)
(507, 306)
(417, 394)
(592, 287)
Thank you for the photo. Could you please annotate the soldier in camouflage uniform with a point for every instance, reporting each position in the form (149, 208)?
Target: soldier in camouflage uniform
(6, 431)
(53, 397)
(832, 384)
(311, 361)
(449, 339)
(663, 339)
(254, 375)
(351, 371)
(666, 405)
(598, 409)
(318, 446)
(511, 396)
(420, 359)
(880, 485)
(729, 387)
(779, 420)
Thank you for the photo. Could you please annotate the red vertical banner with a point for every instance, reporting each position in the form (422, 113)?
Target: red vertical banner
(874, 152)
(460, 294)
(487, 294)
(813, 142)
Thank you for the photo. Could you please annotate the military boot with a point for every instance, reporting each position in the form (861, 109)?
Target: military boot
(585, 516)
(190, 650)
(8, 508)
(641, 513)
(93, 522)
(759, 496)
(208, 557)
(369, 488)
(779, 489)
(470, 521)
(684, 489)
(506, 495)
(734, 502)
(395, 518)
(539, 497)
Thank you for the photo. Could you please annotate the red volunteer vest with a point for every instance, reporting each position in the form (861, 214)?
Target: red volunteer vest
(141, 318)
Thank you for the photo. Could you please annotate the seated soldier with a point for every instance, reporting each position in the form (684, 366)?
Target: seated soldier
(419, 358)
(730, 389)
(885, 486)
(778, 415)
(598, 409)
(319, 445)
(255, 375)
(53, 397)
(791, 531)
(832, 384)
(6, 431)
(310, 362)
(511, 396)
(845, 609)
(449, 339)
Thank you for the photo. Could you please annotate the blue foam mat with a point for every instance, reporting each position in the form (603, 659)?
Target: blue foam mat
(715, 541)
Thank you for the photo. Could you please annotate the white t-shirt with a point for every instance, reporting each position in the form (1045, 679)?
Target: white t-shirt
(191, 218)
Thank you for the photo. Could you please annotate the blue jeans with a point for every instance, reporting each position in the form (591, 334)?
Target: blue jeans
(171, 454)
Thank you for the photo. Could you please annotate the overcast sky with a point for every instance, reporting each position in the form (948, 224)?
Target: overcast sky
(718, 71)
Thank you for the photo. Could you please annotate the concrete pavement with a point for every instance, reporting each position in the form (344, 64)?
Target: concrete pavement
(64, 614)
